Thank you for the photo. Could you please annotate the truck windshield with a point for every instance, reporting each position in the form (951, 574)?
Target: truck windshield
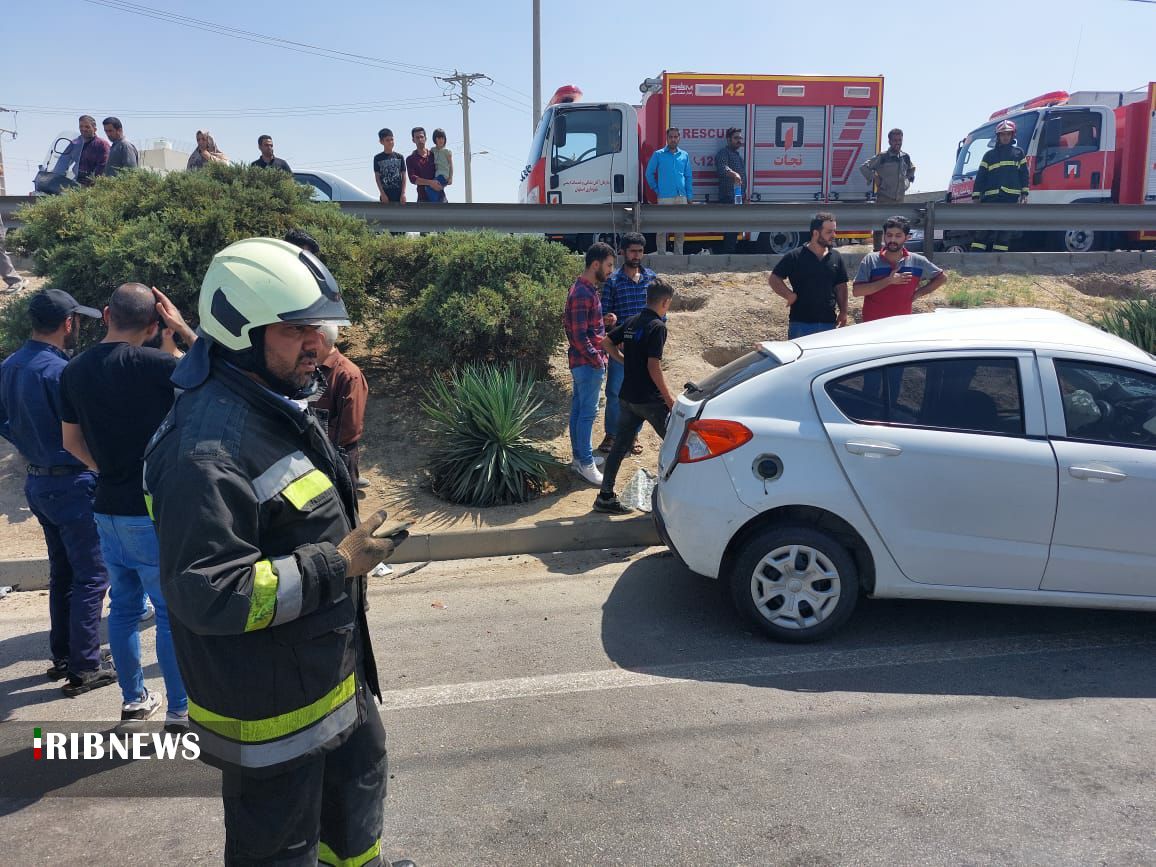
(539, 140)
(982, 140)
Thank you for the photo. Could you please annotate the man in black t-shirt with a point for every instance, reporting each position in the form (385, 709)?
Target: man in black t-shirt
(637, 344)
(389, 170)
(113, 397)
(818, 278)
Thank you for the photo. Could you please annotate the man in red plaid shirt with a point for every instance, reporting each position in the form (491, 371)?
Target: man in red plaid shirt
(584, 331)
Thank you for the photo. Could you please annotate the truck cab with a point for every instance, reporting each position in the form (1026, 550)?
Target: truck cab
(1075, 155)
(582, 154)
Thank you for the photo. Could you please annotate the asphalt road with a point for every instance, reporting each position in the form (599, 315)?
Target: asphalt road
(611, 709)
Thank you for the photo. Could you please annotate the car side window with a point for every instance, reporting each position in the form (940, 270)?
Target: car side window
(1108, 404)
(981, 395)
(322, 192)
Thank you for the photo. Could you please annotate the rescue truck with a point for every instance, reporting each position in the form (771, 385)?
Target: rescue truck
(804, 139)
(1088, 146)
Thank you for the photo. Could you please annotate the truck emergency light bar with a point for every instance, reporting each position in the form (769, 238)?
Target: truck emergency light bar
(565, 93)
(1056, 97)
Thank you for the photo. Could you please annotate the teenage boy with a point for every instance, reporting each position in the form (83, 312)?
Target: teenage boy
(443, 162)
(637, 344)
(389, 170)
(584, 331)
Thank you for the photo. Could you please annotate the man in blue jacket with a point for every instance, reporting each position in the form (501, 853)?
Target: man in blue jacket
(669, 174)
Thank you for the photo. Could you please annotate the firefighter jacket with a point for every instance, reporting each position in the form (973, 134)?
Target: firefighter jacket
(1002, 175)
(250, 500)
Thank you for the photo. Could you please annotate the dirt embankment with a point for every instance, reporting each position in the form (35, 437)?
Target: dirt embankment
(715, 318)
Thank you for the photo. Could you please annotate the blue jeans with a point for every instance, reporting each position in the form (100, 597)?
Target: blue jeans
(584, 409)
(132, 555)
(77, 580)
(614, 375)
(802, 329)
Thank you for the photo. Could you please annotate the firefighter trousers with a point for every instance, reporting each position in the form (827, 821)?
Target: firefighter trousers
(328, 811)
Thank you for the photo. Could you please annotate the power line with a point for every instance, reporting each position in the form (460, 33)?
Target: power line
(265, 39)
(268, 111)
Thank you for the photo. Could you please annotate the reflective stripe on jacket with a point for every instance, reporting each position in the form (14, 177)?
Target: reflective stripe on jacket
(250, 500)
(1002, 175)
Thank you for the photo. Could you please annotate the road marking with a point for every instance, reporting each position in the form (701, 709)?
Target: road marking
(750, 668)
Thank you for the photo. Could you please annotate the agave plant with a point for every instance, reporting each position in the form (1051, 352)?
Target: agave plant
(479, 419)
(1133, 320)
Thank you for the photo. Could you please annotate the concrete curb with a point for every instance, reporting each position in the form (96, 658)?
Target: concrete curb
(543, 537)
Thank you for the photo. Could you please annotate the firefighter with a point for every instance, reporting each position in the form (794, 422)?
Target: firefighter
(1002, 177)
(264, 568)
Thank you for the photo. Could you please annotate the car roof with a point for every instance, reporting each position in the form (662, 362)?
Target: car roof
(1011, 327)
(350, 191)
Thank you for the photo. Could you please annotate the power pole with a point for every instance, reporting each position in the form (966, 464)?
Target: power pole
(12, 133)
(464, 80)
(537, 63)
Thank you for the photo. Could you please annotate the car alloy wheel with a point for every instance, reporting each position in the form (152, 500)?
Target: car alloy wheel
(795, 583)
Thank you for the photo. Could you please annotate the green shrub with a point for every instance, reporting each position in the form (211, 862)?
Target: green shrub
(479, 420)
(1134, 320)
(14, 325)
(468, 297)
(163, 230)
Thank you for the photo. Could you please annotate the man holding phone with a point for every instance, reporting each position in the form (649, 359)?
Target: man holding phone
(264, 566)
(889, 281)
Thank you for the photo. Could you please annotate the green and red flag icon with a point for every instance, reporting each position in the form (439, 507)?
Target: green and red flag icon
(37, 745)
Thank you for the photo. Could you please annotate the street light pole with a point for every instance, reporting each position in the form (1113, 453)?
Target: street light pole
(537, 63)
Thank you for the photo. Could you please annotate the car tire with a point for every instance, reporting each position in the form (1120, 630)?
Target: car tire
(795, 598)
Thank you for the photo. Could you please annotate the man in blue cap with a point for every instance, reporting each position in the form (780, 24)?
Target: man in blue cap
(59, 489)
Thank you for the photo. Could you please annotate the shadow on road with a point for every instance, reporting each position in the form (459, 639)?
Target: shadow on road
(662, 620)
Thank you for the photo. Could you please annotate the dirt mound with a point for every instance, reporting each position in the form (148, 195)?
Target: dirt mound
(1138, 284)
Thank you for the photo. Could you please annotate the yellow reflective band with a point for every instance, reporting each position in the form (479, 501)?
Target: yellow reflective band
(1013, 192)
(149, 506)
(263, 599)
(1005, 163)
(257, 730)
(325, 855)
(307, 487)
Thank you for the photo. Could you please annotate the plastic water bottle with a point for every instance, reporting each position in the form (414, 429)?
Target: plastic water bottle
(738, 194)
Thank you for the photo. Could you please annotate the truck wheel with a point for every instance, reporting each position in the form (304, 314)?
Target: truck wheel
(795, 583)
(1080, 240)
(777, 242)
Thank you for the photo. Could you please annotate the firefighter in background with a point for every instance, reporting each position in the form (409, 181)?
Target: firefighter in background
(263, 566)
(1003, 178)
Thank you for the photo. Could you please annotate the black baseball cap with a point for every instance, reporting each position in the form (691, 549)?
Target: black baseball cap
(50, 307)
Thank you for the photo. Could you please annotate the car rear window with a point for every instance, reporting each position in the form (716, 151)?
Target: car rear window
(729, 375)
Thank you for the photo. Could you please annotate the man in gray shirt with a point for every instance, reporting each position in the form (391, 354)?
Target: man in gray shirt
(122, 154)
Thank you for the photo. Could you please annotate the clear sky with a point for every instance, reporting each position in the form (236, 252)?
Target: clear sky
(947, 67)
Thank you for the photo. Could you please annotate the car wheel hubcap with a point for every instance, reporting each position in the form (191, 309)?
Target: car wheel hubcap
(795, 587)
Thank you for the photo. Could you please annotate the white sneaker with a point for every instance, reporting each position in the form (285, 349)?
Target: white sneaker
(590, 473)
(142, 709)
(599, 460)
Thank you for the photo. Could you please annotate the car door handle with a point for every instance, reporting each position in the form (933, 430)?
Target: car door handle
(873, 449)
(1097, 474)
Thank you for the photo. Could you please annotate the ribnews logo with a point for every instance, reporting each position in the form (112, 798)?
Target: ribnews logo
(127, 746)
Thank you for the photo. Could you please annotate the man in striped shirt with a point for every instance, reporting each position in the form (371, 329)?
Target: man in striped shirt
(623, 296)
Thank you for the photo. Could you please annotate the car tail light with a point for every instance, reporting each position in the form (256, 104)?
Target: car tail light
(709, 438)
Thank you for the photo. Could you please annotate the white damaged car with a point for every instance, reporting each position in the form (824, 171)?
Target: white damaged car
(1000, 455)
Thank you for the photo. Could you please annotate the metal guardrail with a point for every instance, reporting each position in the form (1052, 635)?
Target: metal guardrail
(632, 216)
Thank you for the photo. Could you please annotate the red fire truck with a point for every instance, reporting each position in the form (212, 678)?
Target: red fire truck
(805, 137)
(1090, 146)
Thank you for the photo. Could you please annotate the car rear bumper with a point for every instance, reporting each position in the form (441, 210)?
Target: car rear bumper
(697, 513)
